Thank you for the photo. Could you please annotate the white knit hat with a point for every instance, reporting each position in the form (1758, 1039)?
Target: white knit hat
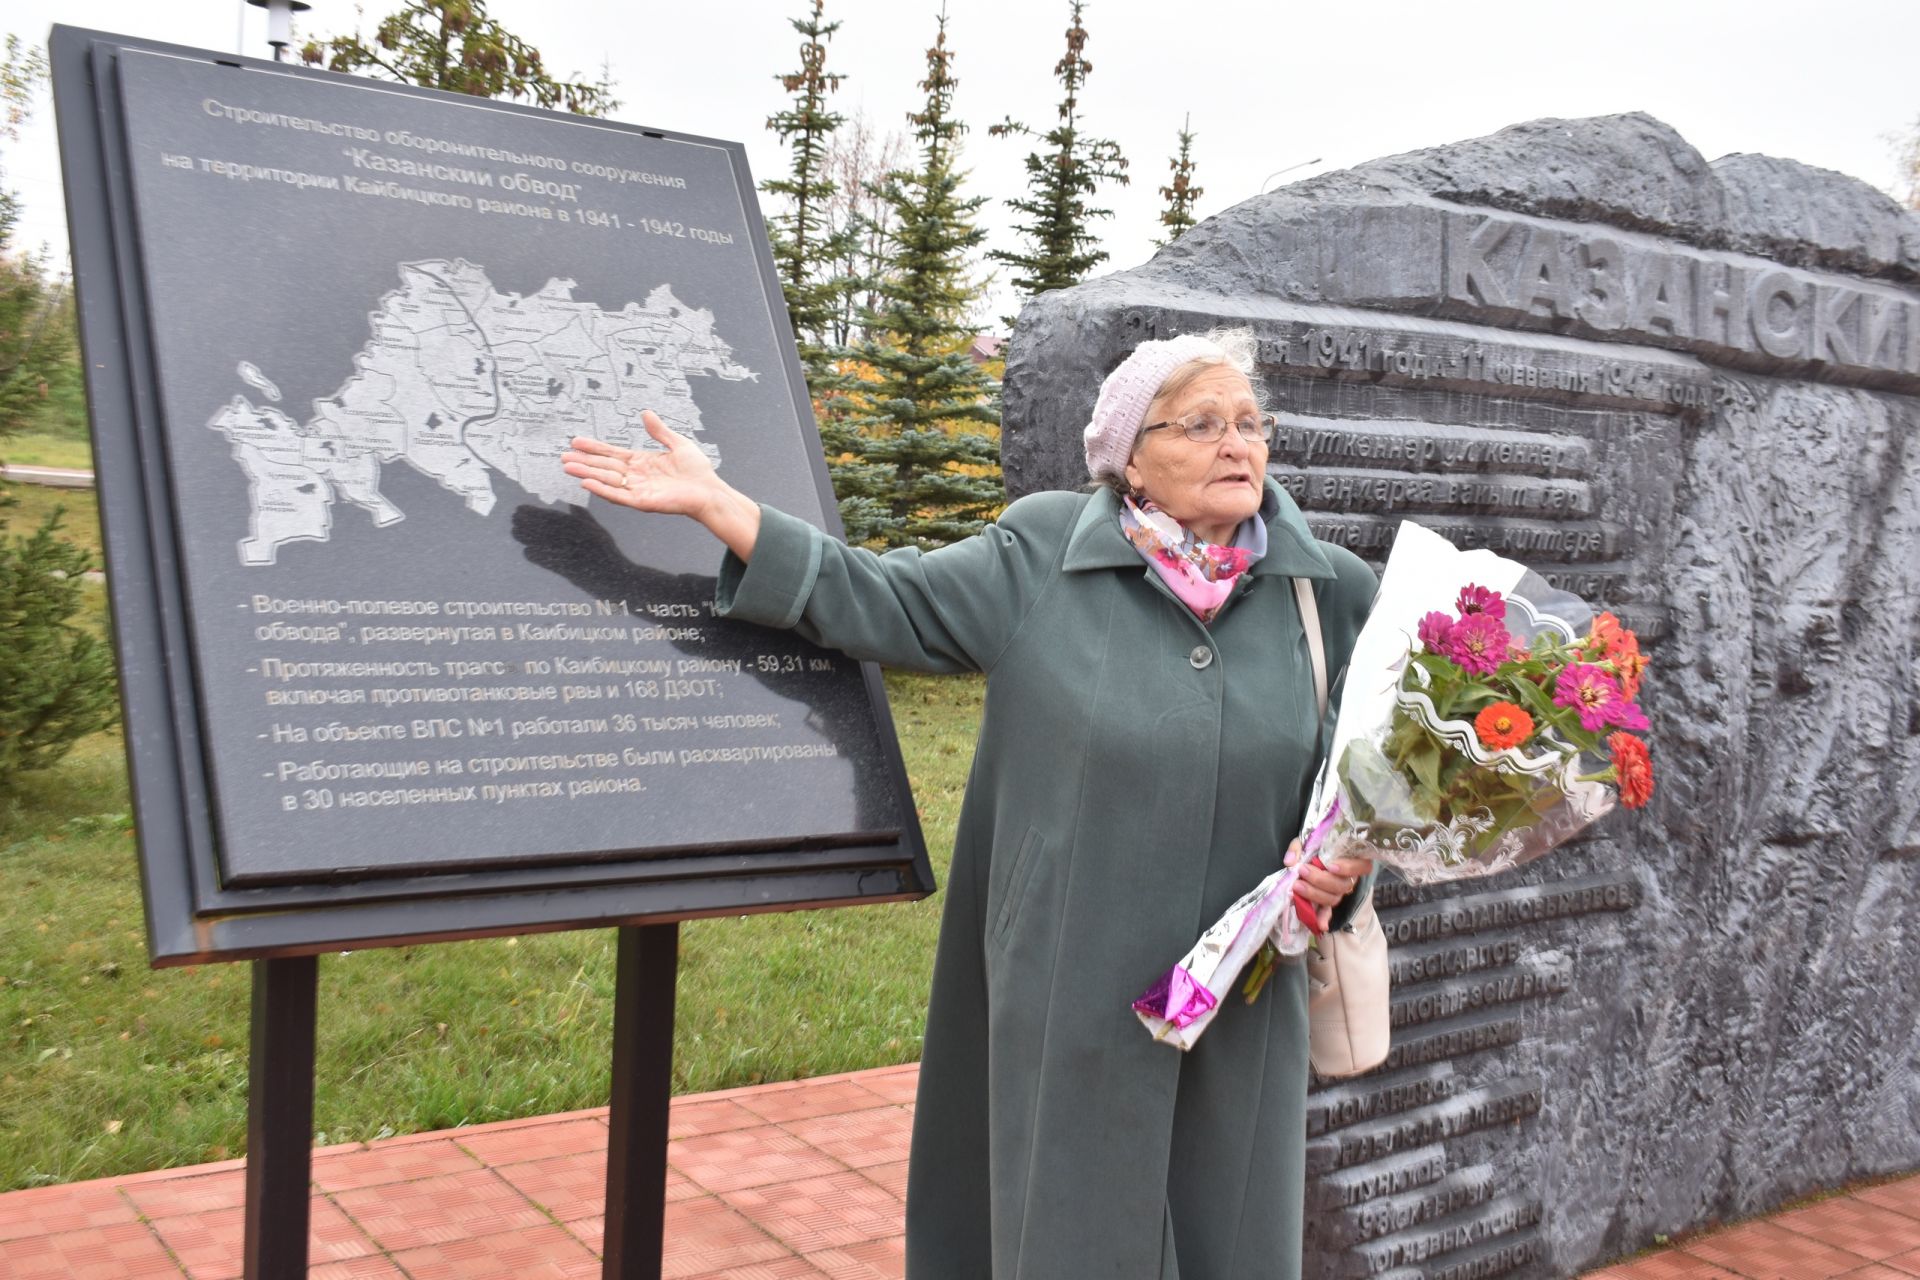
(1127, 393)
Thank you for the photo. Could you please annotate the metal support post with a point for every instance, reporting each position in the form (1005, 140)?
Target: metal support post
(644, 975)
(280, 1117)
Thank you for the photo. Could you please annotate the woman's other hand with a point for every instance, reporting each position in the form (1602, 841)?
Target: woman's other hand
(1324, 887)
(676, 479)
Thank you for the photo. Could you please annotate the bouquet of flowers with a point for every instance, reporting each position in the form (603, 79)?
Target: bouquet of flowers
(1487, 718)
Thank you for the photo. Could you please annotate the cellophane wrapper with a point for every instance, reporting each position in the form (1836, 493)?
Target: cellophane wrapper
(1364, 806)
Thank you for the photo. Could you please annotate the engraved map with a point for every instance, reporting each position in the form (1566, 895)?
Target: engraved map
(462, 383)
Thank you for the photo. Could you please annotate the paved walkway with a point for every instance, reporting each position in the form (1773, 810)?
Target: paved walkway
(778, 1182)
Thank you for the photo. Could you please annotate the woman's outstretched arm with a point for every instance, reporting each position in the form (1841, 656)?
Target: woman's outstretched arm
(679, 481)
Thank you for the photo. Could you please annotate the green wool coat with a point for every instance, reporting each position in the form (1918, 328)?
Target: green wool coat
(1136, 772)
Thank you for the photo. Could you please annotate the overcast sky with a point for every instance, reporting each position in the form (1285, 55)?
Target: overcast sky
(1268, 85)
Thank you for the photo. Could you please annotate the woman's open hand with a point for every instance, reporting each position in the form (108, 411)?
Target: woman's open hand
(1324, 887)
(675, 479)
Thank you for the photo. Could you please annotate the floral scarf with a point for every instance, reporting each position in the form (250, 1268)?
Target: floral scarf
(1201, 574)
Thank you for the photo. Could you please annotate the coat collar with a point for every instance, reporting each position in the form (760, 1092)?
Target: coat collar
(1098, 543)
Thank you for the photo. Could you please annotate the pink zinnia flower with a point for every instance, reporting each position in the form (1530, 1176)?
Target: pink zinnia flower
(1478, 642)
(1434, 630)
(1476, 599)
(1596, 696)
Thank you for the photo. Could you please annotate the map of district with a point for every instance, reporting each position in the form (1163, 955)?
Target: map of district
(460, 382)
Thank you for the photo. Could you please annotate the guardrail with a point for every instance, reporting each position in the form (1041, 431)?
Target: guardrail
(53, 477)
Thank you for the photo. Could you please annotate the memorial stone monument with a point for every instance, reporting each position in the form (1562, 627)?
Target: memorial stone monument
(1688, 392)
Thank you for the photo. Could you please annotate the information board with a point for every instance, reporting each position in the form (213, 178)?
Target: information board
(389, 673)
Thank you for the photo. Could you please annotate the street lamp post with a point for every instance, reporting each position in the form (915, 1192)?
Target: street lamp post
(280, 22)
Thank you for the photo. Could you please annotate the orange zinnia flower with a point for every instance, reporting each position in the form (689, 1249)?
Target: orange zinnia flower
(1620, 647)
(1633, 767)
(1623, 651)
(1605, 632)
(1503, 725)
(1631, 664)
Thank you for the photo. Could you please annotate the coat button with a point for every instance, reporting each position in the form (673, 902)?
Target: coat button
(1201, 657)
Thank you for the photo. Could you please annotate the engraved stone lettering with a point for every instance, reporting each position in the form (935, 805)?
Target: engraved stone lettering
(1660, 303)
(1533, 904)
(1391, 892)
(1605, 303)
(1342, 489)
(1501, 1217)
(1411, 965)
(1367, 1099)
(1496, 1261)
(1388, 1177)
(1454, 1042)
(1480, 1109)
(1836, 324)
(1310, 441)
(1469, 278)
(1720, 301)
(1542, 279)
(1778, 303)
(1880, 330)
(1505, 988)
(1460, 1190)
(1371, 536)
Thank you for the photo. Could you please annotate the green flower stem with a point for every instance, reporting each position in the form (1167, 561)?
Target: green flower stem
(1262, 970)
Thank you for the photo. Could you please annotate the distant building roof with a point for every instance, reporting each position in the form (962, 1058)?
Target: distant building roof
(986, 347)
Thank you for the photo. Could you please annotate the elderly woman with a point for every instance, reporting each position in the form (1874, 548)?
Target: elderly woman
(1149, 735)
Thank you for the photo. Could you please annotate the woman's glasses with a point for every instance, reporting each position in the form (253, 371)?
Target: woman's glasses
(1206, 428)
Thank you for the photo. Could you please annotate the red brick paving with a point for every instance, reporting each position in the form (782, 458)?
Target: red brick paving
(1669, 1265)
(800, 1181)
(1857, 1226)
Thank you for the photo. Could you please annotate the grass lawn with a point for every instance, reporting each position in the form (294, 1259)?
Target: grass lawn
(34, 502)
(107, 1066)
(49, 449)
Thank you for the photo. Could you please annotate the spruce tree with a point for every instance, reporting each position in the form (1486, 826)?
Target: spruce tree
(56, 679)
(914, 469)
(806, 248)
(1180, 194)
(1062, 182)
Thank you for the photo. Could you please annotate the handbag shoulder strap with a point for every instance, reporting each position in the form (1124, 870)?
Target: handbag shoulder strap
(1316, 644)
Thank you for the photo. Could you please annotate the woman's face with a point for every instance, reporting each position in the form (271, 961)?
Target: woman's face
(1210, 488)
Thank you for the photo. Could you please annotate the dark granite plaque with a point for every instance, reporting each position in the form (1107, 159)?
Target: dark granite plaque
(408, 649)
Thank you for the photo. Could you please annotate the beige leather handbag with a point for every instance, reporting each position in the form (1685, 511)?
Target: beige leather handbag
(1348, 1016)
